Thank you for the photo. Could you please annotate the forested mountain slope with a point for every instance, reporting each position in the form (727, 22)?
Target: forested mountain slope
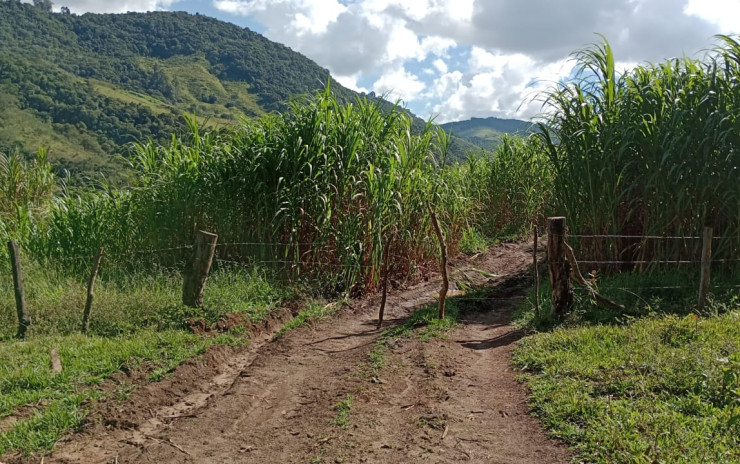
(487, 132)
(84, 86)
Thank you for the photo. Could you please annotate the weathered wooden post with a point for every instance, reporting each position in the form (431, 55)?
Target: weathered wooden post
(196, 271)
(386, 257)
(24, 319)
(442, 264)
(91, 290)
(558, 267)
(56, 361)
(535, 266)
(706, 264)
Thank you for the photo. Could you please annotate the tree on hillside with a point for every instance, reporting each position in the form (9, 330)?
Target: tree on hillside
(45, 5)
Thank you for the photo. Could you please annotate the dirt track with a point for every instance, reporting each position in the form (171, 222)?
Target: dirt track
(447, 400)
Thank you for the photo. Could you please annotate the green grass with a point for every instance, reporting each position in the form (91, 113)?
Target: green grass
(137, 323)
(342, 408)
(127, 96)
(662, 388)
(313, 312)
(472, 241)
(127, 304)
(423, 324)
(55, 403)
(661, 292)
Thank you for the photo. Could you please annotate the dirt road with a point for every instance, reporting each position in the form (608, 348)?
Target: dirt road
(310, 398)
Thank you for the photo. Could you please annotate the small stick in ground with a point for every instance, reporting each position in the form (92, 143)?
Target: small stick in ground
(706, 260)
(56, 363)
(91, 291)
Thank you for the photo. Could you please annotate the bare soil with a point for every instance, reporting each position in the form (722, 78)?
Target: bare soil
(445, 400)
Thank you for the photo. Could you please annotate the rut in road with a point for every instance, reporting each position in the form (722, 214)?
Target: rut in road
(445, 400)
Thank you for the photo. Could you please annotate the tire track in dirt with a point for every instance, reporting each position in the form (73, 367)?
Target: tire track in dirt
(442, 401)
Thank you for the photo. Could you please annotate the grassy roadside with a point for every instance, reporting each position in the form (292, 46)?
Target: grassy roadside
(137, 324)
(661, 388)
(51, 404)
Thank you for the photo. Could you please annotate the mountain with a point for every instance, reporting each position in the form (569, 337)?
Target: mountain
(86, 86)
(487, 132)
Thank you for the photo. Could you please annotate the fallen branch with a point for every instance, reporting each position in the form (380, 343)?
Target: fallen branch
(168, 442)
(577, 277)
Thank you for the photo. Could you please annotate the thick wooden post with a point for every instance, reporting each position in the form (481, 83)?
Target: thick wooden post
(535, 266)
(558, 267)
(706, 264)
(24, 319)
(442, 265)
(196, 272)
(91, 290)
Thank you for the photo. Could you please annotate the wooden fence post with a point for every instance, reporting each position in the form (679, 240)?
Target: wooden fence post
(558, 267)
(196, 272)
(386, 257)
(536, 276)
(442, 264)
(24, 319)
(91, 290)
(706, 262)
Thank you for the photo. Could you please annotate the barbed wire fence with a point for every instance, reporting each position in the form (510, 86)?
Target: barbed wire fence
(289, 262)
(690, 266)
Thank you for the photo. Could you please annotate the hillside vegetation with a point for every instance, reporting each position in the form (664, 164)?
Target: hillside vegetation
(85, 86)
(489, 132)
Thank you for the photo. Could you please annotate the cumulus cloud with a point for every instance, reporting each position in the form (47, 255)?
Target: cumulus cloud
(399, 83)
(463, 58)
(501, 85)
(513, 48)
(638, 29)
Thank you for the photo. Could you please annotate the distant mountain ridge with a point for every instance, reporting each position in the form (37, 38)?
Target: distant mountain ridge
(487, 132)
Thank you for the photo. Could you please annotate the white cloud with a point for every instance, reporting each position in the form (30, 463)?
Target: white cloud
(351, 82)
(301, 16)
(440, 65)
(494, 84)
(399, 83)
(724, 13)
(515, 48)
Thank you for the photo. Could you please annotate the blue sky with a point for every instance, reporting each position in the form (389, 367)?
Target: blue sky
(456, 59)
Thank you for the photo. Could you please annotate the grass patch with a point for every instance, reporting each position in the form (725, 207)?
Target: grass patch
(472, 241)
(314, 312)
(127, 304)
(643, 295)
(342, 408)
(138, 323)
(423, 323)
(661, 388)
(57, 400)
